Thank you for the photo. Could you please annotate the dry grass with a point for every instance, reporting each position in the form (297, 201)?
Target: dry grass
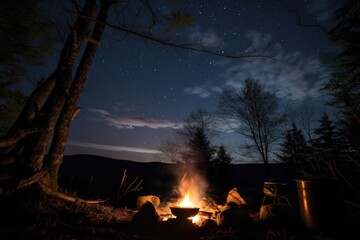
(31, 213)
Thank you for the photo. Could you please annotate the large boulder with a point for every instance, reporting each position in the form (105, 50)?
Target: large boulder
(277, 214)
(234, 216)
(146, 216)
(141, 200)
(234, 197)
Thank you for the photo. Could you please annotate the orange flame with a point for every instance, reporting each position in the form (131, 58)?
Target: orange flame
(186, 201)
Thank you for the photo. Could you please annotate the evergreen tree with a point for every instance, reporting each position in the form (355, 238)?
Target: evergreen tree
(201, 152)
(220, 170)
(344, 84)
(294, 151)
(349, 131)
(326, 148)
(325, 140)
(222, 157)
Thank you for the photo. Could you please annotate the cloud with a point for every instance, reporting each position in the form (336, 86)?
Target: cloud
(292, 75)
(226, 125)
(208, 39)
(122, 107)
(198, 90)
(112, 147)
(132, 122)
(258, 41)
(323, 10)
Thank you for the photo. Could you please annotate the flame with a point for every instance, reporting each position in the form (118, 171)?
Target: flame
(186, 201)
(192, 191)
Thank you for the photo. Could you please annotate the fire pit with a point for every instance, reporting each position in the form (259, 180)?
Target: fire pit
(184, 212)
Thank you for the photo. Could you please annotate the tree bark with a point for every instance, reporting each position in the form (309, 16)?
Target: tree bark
(66, 116)
(45, 103)
(36, 145)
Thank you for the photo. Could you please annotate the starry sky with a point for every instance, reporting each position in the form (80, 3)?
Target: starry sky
(139, 92)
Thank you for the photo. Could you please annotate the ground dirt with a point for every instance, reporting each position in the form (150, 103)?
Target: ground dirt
(31, 214)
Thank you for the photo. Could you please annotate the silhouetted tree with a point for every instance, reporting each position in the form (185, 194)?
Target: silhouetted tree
(344, 87)
(294, 151)
(220, 171)
(349, 131)
(200, 152)
(171, 151)
(328, 148)
(325, 137)
(257, 114)
(196, 135)
(331, 156)
(344, 84)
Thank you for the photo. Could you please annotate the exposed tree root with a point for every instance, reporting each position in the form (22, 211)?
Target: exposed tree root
(71, 199)
(36, 178)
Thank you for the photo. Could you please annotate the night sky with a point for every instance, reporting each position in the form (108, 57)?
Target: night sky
(138, 92)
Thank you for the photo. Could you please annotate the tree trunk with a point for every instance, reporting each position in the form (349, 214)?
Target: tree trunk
(36, 149)
(45, 103)
(69, 110)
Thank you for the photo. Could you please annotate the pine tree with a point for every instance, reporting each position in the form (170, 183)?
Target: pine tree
(294, 151)
(326, 147)
(325, 140)
(222, 157)
(220, 171)
(344, 84)
(201, 152)
(349, 131)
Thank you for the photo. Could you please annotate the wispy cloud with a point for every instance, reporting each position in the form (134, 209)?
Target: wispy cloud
(207, 38)
(122, 107)
(292, 76)
(112, 147)
(258, 41)
(131, 122)
(323, 10)
(198, 90)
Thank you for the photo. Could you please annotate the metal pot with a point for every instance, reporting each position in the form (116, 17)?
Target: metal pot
(184, 212)
(275, 189)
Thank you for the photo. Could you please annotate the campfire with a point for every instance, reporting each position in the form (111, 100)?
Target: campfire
(189, 206)
(192, 203)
